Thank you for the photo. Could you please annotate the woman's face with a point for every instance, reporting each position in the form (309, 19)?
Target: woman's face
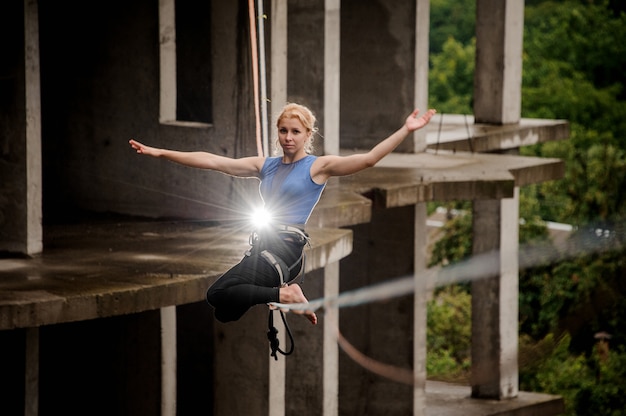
(292, 135)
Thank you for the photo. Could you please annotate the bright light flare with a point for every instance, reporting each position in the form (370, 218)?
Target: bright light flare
(261, 218)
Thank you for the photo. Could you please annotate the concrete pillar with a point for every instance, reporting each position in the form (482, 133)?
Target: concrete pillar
(330, 370)
(168, 361)
(278, 98)
(20, 142)
(34, 233)
(495, 299)
(277, 372)
(242, 359)
(167, 61)
(332, 55)
(31, 388)
(419, 311)
(278, 59)
(498, 73)
(422, 29)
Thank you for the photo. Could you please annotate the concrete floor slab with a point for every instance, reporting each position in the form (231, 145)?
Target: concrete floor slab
(402, 179)
(457, 132)
(446, 399)
(98, 270)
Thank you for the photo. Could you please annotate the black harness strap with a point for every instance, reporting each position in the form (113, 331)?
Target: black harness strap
(284, 273)
(272, 334)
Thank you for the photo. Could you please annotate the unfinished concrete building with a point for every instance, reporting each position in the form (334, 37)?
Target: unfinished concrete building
(107, 256)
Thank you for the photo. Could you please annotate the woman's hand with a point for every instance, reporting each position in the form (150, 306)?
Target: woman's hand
(414, 123)
(142, 148)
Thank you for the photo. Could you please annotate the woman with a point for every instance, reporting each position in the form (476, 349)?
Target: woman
(291, 185)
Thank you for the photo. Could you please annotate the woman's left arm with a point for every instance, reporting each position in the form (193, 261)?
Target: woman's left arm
(331, 165)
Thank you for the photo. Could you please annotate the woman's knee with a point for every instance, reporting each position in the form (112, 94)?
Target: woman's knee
(213, 296)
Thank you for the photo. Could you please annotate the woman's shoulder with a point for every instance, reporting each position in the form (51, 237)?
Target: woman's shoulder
(309, 159)
(270, 162)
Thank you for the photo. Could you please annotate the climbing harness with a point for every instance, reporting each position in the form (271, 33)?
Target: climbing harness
(257, 242)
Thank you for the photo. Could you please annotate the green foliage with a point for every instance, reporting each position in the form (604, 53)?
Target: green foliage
(606, 395)
(456, 244)
(595, 176)
(532, 227)
(589, 384)
(587, 37)
(451, 78)
(573, 60)
(576, 287)
(553, 369)
(574, 55)
(448, 333)
(451, 19)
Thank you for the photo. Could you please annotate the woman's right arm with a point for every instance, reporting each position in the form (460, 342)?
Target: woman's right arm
(243, 167)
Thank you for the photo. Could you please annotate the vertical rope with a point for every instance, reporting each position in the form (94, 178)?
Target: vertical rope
(255, 74)
(263, 76)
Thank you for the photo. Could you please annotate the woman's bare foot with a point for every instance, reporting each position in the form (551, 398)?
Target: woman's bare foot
(293, 294)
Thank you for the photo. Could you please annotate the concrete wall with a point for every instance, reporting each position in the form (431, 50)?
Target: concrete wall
(100, 87)
(12, 127)
(377, 70)
(383, 251)
(377, 66)
(20, 131)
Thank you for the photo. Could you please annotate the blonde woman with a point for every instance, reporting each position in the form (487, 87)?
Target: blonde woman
(291, 185)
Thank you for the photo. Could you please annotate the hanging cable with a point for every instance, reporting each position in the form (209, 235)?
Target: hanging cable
(439, 132)
(263, 78)
(255, 74)
(470, 139)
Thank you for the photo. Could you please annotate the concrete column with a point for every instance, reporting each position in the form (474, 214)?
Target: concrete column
(242, 360)
(332, 55)
(509, 295)
(278, 98)
(419, 311)
(31, 388)
(277, 372)
(278, 58)
(34, 234)
(422, 29)
(495, 299)
(20, 139)
(167, 61)
(330, 370)
(498, 73)
(168, 361)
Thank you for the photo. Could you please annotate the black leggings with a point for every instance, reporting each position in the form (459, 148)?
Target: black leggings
(252, 281)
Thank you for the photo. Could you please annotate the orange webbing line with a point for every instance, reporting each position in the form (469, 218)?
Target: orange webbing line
(255, 74)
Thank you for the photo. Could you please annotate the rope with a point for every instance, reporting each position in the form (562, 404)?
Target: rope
(284, 272)
(255, 75)
(263, 80)
(272, 335)
(439, 133)
(391, 372)
(470, 139)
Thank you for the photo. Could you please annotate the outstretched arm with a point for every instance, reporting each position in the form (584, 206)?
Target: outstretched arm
(331, 165)
(243, 167)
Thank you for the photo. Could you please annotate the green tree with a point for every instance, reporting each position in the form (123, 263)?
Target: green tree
(449, 333)
(574, 54)
(548, 366)
(451, 78)
(454, 19)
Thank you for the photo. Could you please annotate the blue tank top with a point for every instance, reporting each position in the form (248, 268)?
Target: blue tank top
(288, 190)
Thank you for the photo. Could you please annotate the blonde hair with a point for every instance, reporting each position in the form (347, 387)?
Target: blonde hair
(305, 116)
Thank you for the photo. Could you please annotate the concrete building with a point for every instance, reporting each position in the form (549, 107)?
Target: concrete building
(107, 316)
